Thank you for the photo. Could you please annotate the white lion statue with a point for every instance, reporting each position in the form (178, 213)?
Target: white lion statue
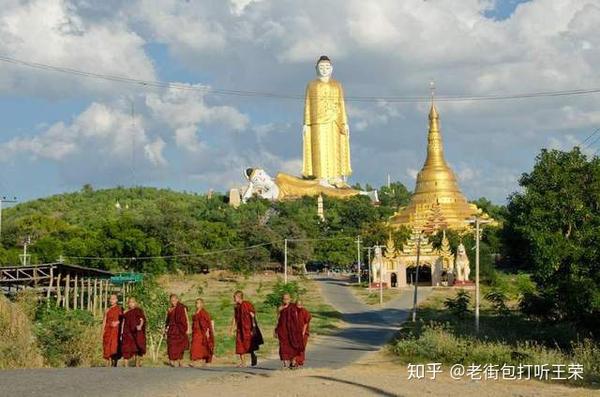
(462, 268)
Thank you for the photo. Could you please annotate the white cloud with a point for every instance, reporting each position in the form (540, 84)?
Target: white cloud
(386, 48)
(52, 32)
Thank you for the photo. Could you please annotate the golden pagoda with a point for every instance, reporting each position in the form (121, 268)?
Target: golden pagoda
(436, 187)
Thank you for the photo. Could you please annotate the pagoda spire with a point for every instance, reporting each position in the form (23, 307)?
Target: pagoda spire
(436, 188)
(435, 150)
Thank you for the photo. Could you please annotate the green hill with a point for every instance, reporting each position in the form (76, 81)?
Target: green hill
(124, 223)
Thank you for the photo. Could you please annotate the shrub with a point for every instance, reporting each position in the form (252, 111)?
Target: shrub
(498, 300)
(68, 338)
(18, 347)
(154, 301)
(280, 288)
(459, 305)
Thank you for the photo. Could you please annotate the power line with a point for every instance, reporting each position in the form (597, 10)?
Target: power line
(248, 93)
(132, 258)
(140, 258)
(591, 135)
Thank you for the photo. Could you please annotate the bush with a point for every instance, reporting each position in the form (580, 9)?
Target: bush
(459, 305)
(154, 301)
(498, 300)
(68, 338)
(280, 288)
(18, 347)
(439, 343)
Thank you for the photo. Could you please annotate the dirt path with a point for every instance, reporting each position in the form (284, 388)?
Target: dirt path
(372, 377)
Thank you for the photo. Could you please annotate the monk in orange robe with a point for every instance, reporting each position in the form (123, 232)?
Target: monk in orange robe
(203, 335)
(289, 332)
(243, 321)
(111, 332)
(133, 331)
(177, 329)
(304, 318)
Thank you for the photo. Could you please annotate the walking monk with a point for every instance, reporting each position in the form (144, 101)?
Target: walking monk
(304, 317)
(289, 332)
(177, 329)
(243, 320)
(133, 331)
(203, 335)
(110, 337)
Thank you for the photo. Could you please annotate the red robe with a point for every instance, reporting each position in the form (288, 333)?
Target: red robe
(304, 318)
(134, 341)
(110, 336)
(202, 346)
(243, 321)
(177, 338)
(289, 333)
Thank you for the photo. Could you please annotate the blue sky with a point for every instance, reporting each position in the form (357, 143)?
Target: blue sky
(61, 131)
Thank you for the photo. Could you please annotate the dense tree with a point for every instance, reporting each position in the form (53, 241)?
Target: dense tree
(554, 229)
(158, 230)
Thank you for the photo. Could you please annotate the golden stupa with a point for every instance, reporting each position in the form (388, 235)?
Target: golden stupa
(437, 189)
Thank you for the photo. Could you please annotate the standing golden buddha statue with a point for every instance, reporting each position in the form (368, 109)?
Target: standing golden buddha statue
(326, 147)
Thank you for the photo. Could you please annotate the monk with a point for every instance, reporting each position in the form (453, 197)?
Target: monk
(133, 331)
(177, 330)
(111, 332)
(304, 317)
(289, 332)
(243, 321)
(203, 335)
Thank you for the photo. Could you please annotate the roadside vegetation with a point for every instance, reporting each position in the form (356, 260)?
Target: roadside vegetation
(37, 334)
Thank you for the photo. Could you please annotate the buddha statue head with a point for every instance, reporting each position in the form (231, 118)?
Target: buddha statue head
(324, 67)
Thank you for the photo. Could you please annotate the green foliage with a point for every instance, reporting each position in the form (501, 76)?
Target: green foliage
(280, 288)
(498, 299)
(553, 229)
(154, 300)
(147, 222)
(440, 343)
(394, 196)
(67, 338)
(459, 305)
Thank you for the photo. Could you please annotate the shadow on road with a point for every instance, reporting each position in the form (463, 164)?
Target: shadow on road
(373, 389)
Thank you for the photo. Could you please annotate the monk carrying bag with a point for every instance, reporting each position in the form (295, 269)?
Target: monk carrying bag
(257, 338)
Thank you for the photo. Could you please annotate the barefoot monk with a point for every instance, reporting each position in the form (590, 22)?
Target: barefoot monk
(133, 331)
(289, 332)
(177, 329)
(111, 332)
(203, 335)
(243, 321)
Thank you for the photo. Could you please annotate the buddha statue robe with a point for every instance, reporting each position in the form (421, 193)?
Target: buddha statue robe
(326, 147)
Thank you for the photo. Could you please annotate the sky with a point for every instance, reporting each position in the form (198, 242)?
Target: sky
(59, 131)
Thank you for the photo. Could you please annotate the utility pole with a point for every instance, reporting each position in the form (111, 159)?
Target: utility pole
(358, 257)
(2, 201)
(479, 222)
(369, 266)
(414, 313)
(380, 274)
(25, 256)
(285, 252)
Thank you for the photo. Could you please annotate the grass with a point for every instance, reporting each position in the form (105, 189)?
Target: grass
(17, 340)
(371, 296)
(512, 338)
(217, 288)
